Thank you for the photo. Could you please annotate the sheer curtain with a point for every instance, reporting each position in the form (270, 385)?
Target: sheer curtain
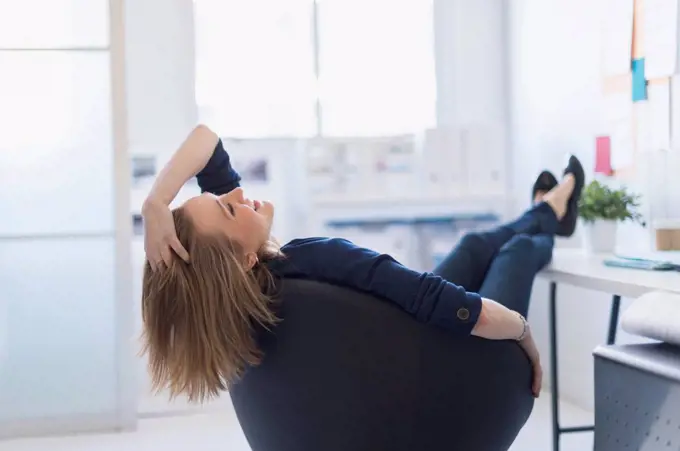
(256, 75)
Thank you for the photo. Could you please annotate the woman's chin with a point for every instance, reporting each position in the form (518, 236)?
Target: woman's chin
(266, 208)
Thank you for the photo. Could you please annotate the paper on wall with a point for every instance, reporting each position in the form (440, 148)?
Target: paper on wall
(659, 115)
(619, 125)
(617, 36)
(660, 23)
(643, 131)
(603, 155)
(638, 30)
(675, 112)
(638, 82)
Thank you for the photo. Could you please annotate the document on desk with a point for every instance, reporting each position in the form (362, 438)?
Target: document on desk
(619, 125)
(672, 257)
(617, 36)
(660, 24)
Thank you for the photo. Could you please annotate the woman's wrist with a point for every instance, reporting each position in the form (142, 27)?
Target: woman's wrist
(497, 322)
(526, 330)
(153, 203)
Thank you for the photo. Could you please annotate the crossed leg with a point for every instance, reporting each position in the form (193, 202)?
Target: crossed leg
(501, 263)
(469, 262)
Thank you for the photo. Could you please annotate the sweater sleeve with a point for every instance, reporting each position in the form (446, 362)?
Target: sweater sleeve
(218, 176)
(428, 297)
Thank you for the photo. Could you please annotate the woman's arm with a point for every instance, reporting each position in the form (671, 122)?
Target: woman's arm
(160, 236)
(497, 322)
(218, 176)
(427, 297)
(191, 157)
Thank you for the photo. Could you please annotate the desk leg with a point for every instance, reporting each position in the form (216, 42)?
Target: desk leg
(611, 339)
(614, 319)
(553, 368)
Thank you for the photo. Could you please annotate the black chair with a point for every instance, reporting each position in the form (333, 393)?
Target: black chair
(348, 372)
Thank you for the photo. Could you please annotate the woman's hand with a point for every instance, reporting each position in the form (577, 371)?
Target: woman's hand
(497, 322)
(529, 346)
(160, 236)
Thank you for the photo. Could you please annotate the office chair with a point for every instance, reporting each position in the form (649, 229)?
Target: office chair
(345, 371)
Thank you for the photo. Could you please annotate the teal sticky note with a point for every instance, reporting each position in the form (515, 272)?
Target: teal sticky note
(639, 82)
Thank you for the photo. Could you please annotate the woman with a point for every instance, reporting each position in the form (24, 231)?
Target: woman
(212, 266)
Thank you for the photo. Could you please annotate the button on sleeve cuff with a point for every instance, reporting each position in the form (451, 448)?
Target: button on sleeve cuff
(460, 315)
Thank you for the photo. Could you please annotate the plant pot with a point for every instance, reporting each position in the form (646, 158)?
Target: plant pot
(600, 236)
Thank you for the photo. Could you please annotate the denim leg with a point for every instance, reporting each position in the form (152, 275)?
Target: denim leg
(539, 219)
(512, 272)
(467, 264)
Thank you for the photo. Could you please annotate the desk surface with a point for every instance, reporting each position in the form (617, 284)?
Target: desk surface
(576, 267)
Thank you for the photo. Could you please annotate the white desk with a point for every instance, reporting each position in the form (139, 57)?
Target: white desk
(577, 268)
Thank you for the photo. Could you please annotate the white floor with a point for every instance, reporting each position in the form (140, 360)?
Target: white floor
(220, 431)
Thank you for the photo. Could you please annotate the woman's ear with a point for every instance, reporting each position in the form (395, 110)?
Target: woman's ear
(251, 260)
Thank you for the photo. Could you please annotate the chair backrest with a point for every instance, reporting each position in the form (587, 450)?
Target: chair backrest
(347, 371)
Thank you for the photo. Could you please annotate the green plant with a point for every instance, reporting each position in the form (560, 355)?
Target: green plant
(599, 201)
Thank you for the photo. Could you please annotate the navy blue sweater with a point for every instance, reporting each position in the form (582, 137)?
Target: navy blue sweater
(427, 297)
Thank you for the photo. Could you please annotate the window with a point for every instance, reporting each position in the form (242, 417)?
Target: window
(54, 24)
(255, 67)
(297, 67)
(61, 247)
(376, 61)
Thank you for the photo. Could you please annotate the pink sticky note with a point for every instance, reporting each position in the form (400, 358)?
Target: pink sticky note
(603, 155)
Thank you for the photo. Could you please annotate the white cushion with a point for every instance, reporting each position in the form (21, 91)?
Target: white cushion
(654, 315)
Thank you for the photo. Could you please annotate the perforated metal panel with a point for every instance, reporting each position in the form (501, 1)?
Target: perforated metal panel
(637, 398)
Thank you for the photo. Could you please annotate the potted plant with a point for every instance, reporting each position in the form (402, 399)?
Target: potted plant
(601, 208)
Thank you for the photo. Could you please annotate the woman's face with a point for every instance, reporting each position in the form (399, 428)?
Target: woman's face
(247, 221)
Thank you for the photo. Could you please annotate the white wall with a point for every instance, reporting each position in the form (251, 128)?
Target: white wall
(470, 61)
(160, 71)
(555, 109)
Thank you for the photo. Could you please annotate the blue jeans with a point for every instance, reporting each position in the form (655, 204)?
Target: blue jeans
(501, 264)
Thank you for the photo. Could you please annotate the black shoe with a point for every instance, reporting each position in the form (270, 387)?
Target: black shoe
(567, 225)
(544, 182)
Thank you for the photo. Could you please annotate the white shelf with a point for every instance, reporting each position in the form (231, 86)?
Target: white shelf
(392, 208)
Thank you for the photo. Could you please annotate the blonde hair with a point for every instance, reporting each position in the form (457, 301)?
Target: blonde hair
(200, 317)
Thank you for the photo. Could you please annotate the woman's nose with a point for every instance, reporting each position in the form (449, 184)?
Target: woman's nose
(235, 196)
(238, 195)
